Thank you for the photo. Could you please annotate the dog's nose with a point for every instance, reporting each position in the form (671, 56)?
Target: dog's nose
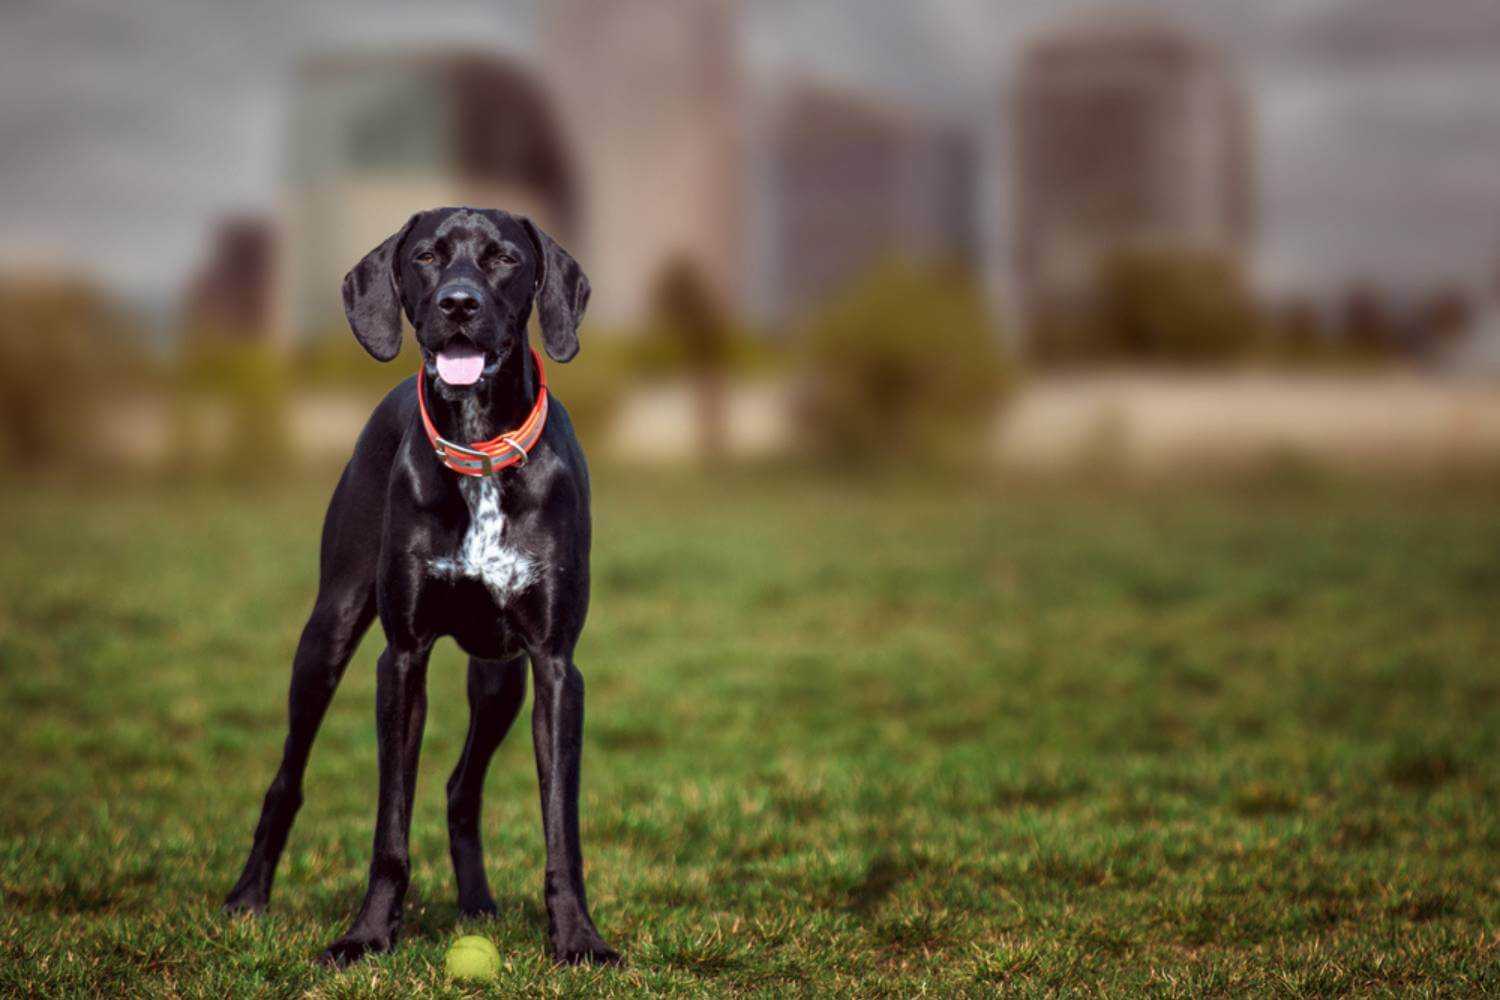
(458, 302)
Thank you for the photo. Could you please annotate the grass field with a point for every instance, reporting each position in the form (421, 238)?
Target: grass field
(881, 740)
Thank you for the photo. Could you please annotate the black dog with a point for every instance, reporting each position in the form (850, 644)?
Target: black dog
(495, 554)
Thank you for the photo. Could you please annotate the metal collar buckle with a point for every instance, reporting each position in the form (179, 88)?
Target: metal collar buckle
(447, 449)
(521, 456)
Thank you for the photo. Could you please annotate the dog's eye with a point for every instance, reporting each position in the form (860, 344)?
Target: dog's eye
(425, 257)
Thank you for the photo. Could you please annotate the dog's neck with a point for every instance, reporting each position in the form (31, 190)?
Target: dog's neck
(497, 405)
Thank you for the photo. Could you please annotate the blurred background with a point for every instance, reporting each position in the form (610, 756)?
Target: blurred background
(1045, 465)
(1030, 234)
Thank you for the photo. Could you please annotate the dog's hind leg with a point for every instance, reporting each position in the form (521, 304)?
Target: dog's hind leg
(328, 641)
(496, 690)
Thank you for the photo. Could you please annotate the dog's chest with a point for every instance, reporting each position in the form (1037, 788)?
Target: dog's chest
(485, 553)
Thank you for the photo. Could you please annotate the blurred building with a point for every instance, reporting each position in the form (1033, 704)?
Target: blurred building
(1128, 130)
(848, 181)
(376, 137)
(640, 144)
(232, 295)
(650, 91)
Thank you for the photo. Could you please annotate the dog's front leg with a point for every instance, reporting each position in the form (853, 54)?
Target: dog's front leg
(400, 712)
(557, 732)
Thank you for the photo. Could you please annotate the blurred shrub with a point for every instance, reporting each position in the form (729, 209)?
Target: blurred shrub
(249, 380)
(660, 349)
(1363, 327)
(63, 347)
(330, 358)
(1159, 305)
(906, 365)
(1176, 305)
(592, 385)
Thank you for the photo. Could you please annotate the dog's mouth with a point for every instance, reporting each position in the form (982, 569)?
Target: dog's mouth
(460, 362)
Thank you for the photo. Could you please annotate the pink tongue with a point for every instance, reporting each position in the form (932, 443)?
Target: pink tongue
(460, 365)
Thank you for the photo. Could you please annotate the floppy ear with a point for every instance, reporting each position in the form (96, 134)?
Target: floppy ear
(372, 302)
(562, 293)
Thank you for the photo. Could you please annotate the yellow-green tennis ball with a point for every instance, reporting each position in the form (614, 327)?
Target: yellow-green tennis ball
(472, 957)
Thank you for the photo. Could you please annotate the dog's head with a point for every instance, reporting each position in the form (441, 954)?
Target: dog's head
(466, 279)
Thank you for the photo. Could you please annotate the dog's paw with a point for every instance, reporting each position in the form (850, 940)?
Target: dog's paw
(241, 904)
(585, 949)
(481, 909)
(352, 947)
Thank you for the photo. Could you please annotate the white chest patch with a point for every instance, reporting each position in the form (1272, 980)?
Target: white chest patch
(483, 554)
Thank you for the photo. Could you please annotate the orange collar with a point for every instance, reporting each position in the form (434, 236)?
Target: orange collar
(485, 458)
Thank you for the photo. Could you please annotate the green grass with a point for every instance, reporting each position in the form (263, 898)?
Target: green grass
(879, 740)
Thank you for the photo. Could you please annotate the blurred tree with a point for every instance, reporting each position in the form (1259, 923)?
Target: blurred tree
(1442, 315)
(1368, 326)
(1299, 330)
(1174, 305)
(1060, 335)
(688, 311)
(905, 366)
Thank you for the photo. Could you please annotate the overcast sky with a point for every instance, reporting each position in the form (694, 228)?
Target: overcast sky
(126, 127)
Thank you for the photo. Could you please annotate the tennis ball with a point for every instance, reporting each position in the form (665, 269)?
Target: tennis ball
(473, 958)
